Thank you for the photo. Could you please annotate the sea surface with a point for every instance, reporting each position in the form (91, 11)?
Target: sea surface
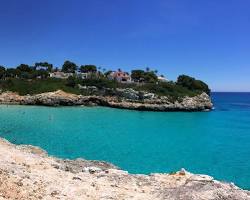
(215, 143)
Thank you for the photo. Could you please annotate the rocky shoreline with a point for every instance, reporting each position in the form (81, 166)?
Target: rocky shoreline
(127, 99)
(28, 173)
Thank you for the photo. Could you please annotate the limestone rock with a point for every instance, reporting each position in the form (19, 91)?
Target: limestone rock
(128, 93)
(28, 174)
(123, 98)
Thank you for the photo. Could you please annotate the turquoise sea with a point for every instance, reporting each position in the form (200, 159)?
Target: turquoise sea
(215, 143)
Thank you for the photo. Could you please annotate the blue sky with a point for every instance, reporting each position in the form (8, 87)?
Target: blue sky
(207, 39)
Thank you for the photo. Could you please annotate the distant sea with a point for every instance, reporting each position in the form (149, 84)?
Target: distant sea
(216, 143)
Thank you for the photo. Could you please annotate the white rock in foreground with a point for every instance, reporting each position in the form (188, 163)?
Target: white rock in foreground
(27, 172)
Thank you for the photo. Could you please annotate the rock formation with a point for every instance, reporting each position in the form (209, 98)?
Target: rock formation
(28, 173)
(123, 98)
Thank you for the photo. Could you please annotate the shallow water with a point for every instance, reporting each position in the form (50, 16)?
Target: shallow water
(215, 143)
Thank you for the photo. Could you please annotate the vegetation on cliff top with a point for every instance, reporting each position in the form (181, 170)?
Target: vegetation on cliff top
(26, 79)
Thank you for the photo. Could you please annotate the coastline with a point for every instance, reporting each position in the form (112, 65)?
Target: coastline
(200, 102)
(27, 172)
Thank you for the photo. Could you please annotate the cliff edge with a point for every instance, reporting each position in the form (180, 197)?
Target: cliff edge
(123, 98)
(28, 173)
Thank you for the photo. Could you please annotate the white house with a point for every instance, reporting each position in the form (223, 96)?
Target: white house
(59, 74)
(162, 79)
(83, 75)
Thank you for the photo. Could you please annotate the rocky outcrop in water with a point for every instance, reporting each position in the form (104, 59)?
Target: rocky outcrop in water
(123, 98)
(27, 173)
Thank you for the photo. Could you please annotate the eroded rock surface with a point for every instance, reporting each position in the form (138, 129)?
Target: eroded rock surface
(125, 98)
(27, 173)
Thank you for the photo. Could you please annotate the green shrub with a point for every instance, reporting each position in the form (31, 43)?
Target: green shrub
(36, 86)
(193, 84)
(71, 81)
(185, 86)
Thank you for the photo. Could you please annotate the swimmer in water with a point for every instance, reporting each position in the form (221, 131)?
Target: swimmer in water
(50, 118)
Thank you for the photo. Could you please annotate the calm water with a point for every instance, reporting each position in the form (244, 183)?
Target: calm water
(215, 143)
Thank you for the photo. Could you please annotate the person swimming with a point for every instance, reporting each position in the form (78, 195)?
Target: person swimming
(50, 118)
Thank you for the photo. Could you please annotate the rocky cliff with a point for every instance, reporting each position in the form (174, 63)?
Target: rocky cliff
(124, 98)
(27, 173)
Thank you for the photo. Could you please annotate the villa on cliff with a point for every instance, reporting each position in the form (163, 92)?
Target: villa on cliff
(60, 75)
(63, 75)
(83, 75)
(120, 76)
(162, 79)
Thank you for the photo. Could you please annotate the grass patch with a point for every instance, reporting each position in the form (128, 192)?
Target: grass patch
(36, 86)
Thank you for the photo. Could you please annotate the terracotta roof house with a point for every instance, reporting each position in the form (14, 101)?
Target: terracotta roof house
(120, 76)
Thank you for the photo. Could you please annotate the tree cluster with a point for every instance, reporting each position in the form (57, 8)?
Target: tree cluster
(192, 84)
(144, 76)
(69, 67)
(88, 69)
(42, 69)
(23, 71)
